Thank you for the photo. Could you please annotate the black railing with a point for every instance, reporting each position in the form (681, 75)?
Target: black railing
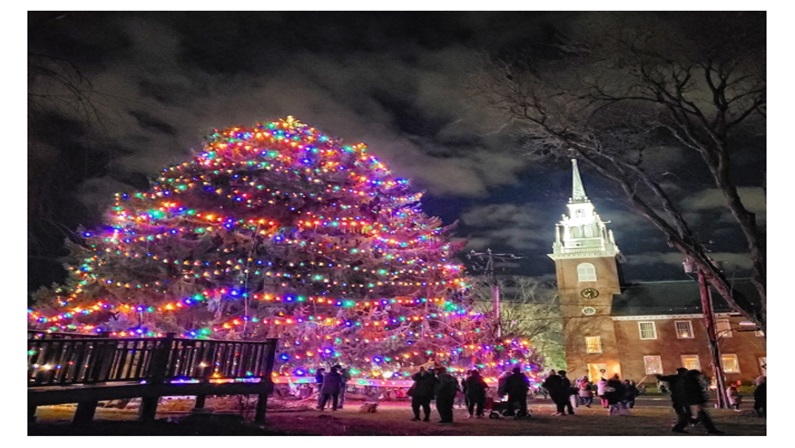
(149, 368)
(61, 359)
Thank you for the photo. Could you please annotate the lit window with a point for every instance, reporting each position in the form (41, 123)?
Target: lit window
(691, 362)
(653, 364)
(759, 333)
(593, 344)
(586, 272)
(723, 328)
(730, 363)
(647, 330)
(763, 365)
(684, 330)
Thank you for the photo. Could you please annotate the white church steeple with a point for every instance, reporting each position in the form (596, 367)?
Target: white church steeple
(582, 233)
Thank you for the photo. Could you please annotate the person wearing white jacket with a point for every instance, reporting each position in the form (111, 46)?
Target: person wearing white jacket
(600, 391)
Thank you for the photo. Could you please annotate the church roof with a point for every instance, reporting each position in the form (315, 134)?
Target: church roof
(671, 297)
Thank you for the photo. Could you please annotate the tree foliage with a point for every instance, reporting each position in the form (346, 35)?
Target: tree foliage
(529, 310)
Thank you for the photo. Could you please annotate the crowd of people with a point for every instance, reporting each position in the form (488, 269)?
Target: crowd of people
(688, 390)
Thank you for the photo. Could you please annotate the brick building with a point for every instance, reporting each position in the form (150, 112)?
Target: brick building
(637, 330)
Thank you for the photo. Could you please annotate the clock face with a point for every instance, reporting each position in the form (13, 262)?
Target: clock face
(589, 293)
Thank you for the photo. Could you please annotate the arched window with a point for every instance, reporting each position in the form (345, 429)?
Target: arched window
(586, 272)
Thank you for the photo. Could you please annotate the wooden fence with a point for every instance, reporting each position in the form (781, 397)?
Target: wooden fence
(85, 369)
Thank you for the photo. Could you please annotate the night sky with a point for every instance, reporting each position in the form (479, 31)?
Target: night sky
(396, 81)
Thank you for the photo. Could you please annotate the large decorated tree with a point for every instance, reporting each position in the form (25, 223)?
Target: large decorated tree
(277, 230)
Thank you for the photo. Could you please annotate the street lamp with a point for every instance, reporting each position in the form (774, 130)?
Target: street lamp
(709, 323)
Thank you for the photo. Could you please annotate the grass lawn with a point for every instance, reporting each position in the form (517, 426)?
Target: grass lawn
(391, 419)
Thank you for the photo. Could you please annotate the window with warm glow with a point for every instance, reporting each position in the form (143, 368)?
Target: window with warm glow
(723, 328)
(684, 329)
(647, 330)
(586, 272)
(730, 363)
(653, 364)
(593, 344)
(691, 362)
(763, 365)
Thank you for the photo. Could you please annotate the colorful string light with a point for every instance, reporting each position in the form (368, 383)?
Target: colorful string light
(277, 230)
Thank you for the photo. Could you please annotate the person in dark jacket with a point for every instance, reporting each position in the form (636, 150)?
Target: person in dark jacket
(331, 388)
(614, 392)
(676, 389)
(630, 393)
(321, 372)
(475, 390)
(760, 395)
(566, 391)
(696, 396)
(688, 392)
(516, 386)
(346, 376)
(422, 393)
(446, 389)
(554, 385)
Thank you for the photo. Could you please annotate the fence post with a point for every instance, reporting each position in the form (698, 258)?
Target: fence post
(158, 368)
(204, 368)
(262, 402)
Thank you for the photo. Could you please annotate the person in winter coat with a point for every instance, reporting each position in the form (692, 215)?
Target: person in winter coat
(516, 386)
(694, 388)
(630, 393)
(585, 391)
(345, 377)
(678, 402)
(557, 391)
(600, 391)
(422, 393)
(760, 395)
(446, 389)
(331, 387)
(321, 372)
(475, 390)
(614, 393)
(566, 392)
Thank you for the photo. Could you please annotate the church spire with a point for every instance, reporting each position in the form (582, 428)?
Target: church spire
(581, 232)
(577, 190)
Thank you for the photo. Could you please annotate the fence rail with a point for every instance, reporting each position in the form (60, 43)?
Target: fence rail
(62, 359)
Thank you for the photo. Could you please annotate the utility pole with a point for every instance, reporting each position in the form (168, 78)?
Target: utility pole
(709, 323)
(487, 260)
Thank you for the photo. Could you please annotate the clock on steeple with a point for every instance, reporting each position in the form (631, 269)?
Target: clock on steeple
(589, 293)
